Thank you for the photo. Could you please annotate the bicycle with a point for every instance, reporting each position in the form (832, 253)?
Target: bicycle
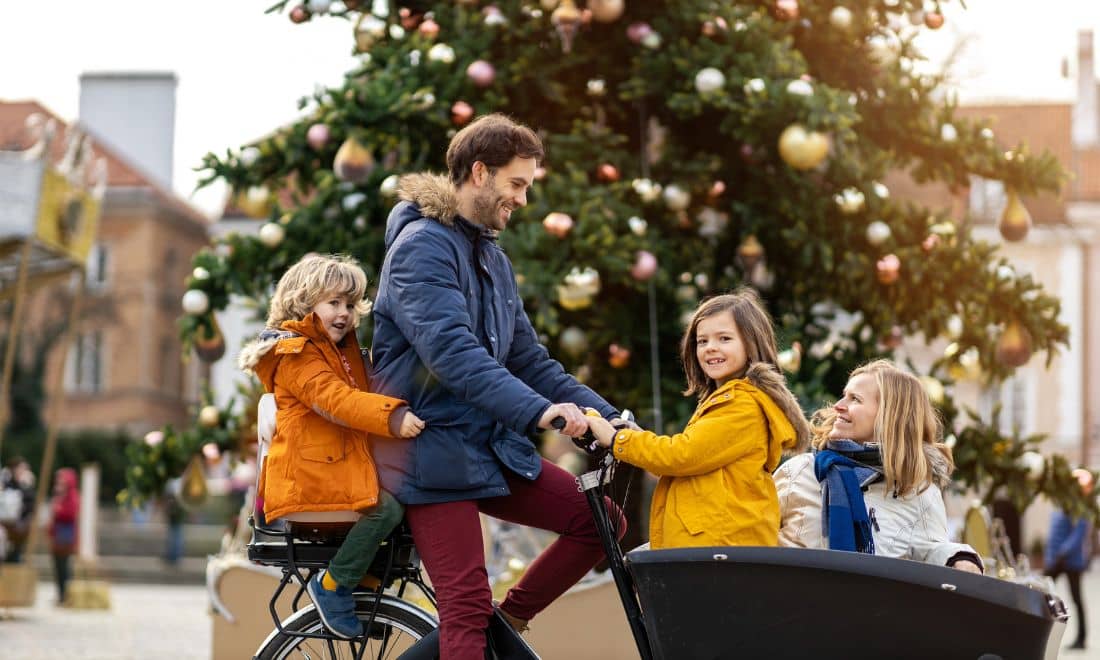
(720, 602)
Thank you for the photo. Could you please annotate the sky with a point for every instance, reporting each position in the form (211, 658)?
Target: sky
(241, 72)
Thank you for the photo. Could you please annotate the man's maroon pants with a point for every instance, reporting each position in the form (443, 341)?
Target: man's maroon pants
(448, 539)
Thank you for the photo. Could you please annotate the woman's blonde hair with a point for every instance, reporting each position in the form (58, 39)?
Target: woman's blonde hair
(311, 279)
(754, 325)
(905, 426)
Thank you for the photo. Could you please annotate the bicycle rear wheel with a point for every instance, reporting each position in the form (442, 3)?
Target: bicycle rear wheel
(397, 626)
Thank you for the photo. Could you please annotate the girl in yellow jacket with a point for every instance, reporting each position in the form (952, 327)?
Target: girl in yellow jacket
(715, 484)
(320, 458)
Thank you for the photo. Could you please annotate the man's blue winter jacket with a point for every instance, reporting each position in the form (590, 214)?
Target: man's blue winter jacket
(451, 337)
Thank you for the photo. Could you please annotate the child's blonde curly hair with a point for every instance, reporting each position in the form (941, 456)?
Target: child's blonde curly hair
(312, 279)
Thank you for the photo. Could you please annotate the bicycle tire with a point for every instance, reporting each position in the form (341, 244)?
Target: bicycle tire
(397, 625)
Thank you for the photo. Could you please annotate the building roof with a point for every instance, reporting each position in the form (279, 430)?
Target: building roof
(121, 173)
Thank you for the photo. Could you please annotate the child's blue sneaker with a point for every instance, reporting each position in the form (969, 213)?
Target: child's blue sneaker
(337, 608)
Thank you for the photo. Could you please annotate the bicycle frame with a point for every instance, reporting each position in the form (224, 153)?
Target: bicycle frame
(591, 484)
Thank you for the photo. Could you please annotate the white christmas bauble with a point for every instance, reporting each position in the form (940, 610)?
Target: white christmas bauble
(154, 438)
(441, 53)
(850, 201)
(352, 201)
(652, 41)
(372, 25)
(986, 133)
(755, 86)
(646, 189)
(954, 326)
(573, 340)
(249, 156)
(596, 87)
(388, 187)
(195, 302)
(878, 232)
(271, 234)
(709, 80)
(494, 17)
(318, 6)
(948, 133)
(397, 32)
(840, 18)
(637, 226)
(1033, 463)
(1005, 273)
(800, 88)
(200, 273)
(676, 198)
(880, 189)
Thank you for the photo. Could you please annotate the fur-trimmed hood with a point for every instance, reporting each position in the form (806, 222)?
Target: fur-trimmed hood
(941, 468)
(768, 379)
(422, 196)
(257, 357)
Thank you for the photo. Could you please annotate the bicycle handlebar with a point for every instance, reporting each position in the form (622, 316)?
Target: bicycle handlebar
(588, 441)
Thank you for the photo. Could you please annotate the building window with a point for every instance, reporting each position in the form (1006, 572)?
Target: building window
(84, 371)
(99, 261)
(987, 199)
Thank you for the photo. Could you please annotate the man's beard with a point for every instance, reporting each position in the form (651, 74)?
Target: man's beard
(486, 209)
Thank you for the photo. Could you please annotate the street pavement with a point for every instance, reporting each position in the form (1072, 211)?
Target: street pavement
(144, 621)
(173, 622)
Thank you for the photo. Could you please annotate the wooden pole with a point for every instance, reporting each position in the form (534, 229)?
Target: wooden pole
(53, 418)
(13, 337)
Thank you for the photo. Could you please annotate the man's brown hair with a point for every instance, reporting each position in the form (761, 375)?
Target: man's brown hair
(492, 139)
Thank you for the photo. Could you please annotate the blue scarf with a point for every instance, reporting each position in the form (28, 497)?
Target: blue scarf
(844, 517)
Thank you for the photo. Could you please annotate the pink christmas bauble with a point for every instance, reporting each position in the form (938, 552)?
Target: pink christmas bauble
(481, 73)
(317, 136)
(645, 266)
(638, 31)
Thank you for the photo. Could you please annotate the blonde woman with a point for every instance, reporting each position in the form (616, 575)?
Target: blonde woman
(872, 483)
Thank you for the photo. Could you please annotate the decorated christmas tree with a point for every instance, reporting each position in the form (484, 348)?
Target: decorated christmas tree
(692, 147)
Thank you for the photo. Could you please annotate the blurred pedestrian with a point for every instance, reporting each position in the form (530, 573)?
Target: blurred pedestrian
(174, 514)
(18, 479)
(64, 512)
(1069, 550)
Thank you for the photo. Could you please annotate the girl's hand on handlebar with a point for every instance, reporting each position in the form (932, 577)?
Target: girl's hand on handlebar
(411, 425)
(575, 421)
(602, 429)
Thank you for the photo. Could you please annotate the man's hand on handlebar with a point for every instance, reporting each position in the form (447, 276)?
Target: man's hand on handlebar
(575, 421)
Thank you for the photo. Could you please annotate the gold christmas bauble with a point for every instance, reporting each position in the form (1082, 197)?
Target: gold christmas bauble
(210, 344)
(606, 11)
(255, 202)
(353, 162)
(803, 149)
(209, 417)
(1015, 220)
(1014, 345)
(193, 483)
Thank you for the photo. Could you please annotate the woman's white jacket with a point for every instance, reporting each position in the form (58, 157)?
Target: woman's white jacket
(906, 527)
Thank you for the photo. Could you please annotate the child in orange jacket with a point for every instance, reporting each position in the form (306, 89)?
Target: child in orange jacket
(320, 458)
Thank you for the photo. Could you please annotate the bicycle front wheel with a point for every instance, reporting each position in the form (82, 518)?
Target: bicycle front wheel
(397, 626)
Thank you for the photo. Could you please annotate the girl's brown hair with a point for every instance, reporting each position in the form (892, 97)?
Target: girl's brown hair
(311, 279)
(762, 366)
(905, 425)
(754, 325)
